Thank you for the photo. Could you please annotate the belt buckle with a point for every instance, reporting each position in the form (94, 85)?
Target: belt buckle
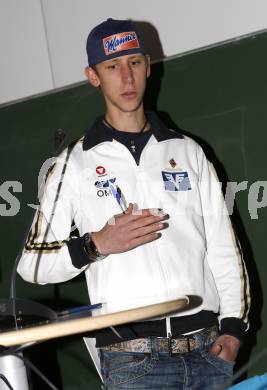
(167, 344)
(183, 345)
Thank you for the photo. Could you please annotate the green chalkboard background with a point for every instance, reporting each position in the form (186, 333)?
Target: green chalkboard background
(219, 97)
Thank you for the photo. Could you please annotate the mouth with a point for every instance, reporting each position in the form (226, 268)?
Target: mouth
(129, 95)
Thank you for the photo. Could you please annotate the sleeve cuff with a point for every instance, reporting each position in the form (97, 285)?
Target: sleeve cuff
(233, 326)
(77, 253)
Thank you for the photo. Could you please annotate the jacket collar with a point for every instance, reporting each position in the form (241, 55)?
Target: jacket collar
(97, 133)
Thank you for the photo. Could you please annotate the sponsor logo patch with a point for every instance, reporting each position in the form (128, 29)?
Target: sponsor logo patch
(105, 183)
(100, 170)
(176, 181)
(103, 187)
(118, 42)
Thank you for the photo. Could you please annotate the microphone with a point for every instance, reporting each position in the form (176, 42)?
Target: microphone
(60, 136)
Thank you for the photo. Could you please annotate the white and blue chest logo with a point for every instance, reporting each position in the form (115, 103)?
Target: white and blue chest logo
(176, 181)
(105, 183)
(103, 187)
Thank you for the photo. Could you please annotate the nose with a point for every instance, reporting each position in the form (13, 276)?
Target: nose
(127, 73)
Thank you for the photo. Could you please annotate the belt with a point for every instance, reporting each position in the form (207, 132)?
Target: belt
(181, 344)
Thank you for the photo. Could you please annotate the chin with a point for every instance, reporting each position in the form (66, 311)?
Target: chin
(130, 106)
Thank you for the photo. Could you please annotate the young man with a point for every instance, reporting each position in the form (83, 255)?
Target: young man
(129, 160)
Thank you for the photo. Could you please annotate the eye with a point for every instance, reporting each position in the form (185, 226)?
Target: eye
(112, 66)
(135, 62)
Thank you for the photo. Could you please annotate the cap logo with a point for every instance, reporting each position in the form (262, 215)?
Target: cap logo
(118, 42)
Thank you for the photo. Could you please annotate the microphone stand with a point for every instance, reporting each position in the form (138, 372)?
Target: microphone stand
(12, 366)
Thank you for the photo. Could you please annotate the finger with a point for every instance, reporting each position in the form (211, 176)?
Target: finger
(139, 220)
(130, 208)
(145, 221)
(128, 212)
(143, 231)
(147, 211)
(146, 218)
(216, 349)
(144, 240)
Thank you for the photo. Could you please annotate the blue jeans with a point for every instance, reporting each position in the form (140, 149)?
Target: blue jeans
(197, 370)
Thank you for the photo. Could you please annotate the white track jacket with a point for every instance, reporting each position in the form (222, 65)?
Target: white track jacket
(197, 254)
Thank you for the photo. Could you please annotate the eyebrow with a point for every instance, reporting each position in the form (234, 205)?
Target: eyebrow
(137, 55)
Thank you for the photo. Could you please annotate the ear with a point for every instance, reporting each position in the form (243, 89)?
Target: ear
(92, 76)
(148, 69)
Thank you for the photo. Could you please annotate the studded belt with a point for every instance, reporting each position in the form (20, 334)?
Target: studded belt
(181, 344)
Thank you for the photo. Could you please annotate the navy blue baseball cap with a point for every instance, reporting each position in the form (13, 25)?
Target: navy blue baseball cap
(113, 38)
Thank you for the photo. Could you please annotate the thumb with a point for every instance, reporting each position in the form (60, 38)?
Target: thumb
(129, 208)
(216, 349)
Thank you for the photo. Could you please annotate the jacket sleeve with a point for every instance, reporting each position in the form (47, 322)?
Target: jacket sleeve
(50, 255)
(224, 254)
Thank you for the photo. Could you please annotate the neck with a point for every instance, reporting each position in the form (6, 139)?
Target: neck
(127, 121)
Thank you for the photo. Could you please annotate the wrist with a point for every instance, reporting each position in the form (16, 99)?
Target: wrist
(96, 237)
(91, 248)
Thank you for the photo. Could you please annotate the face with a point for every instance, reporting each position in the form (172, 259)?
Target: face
(122, 81)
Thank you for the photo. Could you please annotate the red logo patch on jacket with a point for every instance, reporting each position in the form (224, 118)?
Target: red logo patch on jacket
(100, 170)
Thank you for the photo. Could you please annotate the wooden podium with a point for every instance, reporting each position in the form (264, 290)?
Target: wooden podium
(97, 320)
